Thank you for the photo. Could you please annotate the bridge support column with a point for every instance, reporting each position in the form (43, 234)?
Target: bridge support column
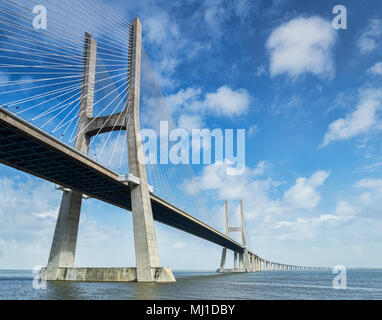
(63, 249)
(246, 264)
(241, 261)
(235, 260)
(223, 260)
(224, 252)
(146, 249)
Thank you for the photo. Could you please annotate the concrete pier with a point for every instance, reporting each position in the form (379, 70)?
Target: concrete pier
(146, 249)
(107, 274)
(63, 249)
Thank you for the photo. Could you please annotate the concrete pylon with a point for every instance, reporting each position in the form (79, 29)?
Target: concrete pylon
(146, 249)
(63, 249)
(244, 258)
(224, 252)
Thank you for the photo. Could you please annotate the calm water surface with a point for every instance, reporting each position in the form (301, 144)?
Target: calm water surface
(362, 284)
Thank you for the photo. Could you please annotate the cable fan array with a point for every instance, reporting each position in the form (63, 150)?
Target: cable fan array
(41, 70)
(41, 73)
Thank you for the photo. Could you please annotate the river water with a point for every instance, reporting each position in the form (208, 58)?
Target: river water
(270, 285)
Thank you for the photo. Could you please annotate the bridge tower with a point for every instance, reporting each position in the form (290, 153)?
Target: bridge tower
(244, 258)
(63, 248)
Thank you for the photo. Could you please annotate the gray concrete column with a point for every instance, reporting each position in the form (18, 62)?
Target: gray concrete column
(223, 260)
(242, 224)
(146, 249)
(241, 261)
(235, 260)
(246, 263)
(224, 253)
(63, 249)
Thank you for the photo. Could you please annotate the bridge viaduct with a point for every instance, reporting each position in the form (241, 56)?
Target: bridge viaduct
(29, 149)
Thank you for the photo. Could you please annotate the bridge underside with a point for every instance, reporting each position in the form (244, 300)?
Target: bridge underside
(26, 148)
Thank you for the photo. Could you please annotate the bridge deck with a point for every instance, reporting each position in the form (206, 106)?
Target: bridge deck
(27, 148)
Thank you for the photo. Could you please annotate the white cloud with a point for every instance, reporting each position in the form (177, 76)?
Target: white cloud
(302, 45)
(345, 209)
(27, 218)
(257, 192)
(190, 122)
(376, 69)
(307, 228)
(184, 99)
(28, 213)
(249, 187)
(159, 28)
(304, 194)
(224, 101)
(363, 119)
(368, 41)
(164, 36)
(219, 12)
(228, 102)
(375, 184)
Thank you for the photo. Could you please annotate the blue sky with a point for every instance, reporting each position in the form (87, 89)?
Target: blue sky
(310, 99)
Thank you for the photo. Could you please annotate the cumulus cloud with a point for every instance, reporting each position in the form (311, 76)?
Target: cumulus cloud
(190, 122)
(255, 190)
(184, 99)
(368, 40)
(345, 209)
(160, 29)
(375, 184)
(376, 69)
(224, 101)
(228, 102)
(363, 119)
(304, 194)
(270, 212)
(28, 213)
(219, 12)
(249, 187)
(307, 228)
(302, 45)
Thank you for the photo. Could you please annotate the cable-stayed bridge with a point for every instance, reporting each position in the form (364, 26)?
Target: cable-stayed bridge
(74, 98)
